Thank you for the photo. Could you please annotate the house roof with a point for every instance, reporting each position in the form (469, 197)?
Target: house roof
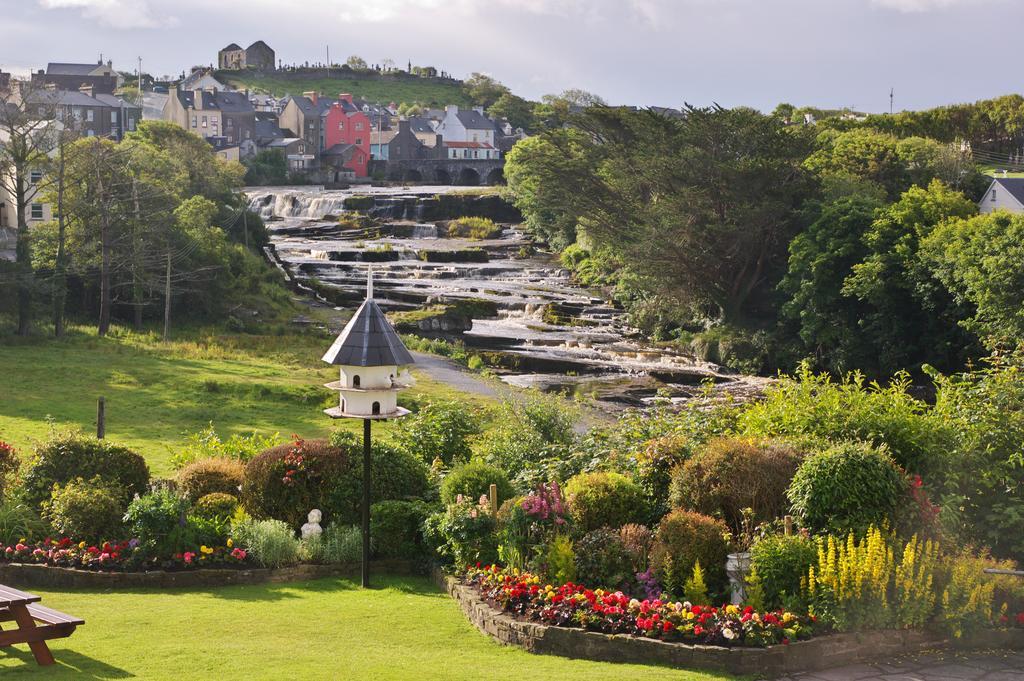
(114, 101)
(267, 126)
(307, 107)
(231, 48)
(228, 102)
(283, 141)
(420, 124)
(1013, 185)
(65, 69)
(368, 340)
(64, 98)
(259, 43)
(340, 149)
(468, 145)
(474, 120)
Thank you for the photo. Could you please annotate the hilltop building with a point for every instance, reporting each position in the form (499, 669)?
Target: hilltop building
(257, 56)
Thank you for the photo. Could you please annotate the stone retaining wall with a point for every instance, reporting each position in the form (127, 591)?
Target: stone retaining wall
(815, 654)
(20, 575)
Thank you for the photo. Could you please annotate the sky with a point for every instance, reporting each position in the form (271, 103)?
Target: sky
(826, 53)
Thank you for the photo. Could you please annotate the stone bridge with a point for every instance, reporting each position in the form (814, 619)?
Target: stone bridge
(465, 172)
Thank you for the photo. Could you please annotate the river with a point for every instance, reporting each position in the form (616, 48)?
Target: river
(587, 349)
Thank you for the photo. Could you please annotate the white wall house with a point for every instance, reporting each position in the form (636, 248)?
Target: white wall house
(1005, 193)
(466, 125)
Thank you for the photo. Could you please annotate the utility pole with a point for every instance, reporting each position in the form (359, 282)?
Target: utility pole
(892, 93)
(328, 61)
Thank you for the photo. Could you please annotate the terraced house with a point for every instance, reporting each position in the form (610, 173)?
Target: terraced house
(221, 117)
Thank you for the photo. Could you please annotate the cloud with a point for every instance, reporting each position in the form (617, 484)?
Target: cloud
(911, 6)
(119, 14)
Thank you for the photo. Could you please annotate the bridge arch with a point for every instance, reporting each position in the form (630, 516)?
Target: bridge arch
(496, 176)
(442, 176)
(469, 177)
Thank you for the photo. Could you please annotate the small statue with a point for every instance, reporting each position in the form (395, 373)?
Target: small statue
(312, 528)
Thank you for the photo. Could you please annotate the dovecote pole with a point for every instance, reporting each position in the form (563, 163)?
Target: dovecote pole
(373, 367)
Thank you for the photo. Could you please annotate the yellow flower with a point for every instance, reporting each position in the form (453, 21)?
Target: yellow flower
(205, 549)
(81, 544)
(230, 543)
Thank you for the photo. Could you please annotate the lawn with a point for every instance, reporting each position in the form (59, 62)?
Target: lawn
(373, 90)
(156, 393)
(323, 629)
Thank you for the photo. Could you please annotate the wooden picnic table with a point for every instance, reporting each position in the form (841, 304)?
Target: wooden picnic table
(35, 623)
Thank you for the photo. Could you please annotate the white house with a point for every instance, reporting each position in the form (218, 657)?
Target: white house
(466, 125)
(1005, 193)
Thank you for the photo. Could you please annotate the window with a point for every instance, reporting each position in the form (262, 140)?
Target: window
(131, 123)
(230, 139)
(36, 211)
(229, 123)
(35, 176)
(302, 148)
(246, 134)
(204, 121)
(359, 141)
(993, 198)
(113, 117)
(341, 125)
(193, 121)
(359, 126)
(90, 133)
(89, 113)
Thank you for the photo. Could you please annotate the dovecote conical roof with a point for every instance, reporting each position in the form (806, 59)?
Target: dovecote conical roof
(368, 339)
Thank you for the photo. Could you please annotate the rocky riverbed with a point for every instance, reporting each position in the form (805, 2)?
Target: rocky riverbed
(507, 301)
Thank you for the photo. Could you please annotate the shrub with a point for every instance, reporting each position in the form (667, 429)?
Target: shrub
(602, 560)
(474, 228)
(207, 444)
(397, 529)
(813, 405)
(604, 500)
(216, 506)
(474, 479)
(209, 476)
(158, 521)
(336, 544)
(558, 563)
(683, 538)
(696, 589)
(527, 432)
(395, 474)
(655, 462)
(730, 474)
(86, 510)
(637, 539)
(286, 481)
(464, 534)
(71, 455)
(847, 487)
(271, 542)
(780, 562)
(9, 464)
(19, 521)
(440, 430)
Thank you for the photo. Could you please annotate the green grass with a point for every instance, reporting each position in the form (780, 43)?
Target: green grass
(156, 393)
(324, 629)
(422, 91)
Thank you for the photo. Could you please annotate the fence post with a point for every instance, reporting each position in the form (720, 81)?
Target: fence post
(494, 498)
(101, 418)
(788, 523)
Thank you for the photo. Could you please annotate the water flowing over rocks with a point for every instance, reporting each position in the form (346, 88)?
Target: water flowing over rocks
(516, 307)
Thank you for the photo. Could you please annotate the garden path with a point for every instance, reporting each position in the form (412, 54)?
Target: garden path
(940, 665)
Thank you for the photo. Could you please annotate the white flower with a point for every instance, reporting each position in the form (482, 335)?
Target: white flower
(687, 604)
(728, 633)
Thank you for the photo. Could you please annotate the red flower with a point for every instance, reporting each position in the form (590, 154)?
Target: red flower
(667, 626)
(698, 630)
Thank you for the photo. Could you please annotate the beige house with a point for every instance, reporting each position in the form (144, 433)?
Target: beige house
(1005, 193)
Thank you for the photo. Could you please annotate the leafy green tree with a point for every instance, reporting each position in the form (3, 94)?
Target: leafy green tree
(909, 317)
(979, 261)
(267, 167)
(483, 90)
(820, 259)
(356, 63)
(861, 153)
(517, 110)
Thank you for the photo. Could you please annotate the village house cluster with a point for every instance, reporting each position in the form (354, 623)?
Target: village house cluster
(333, 138)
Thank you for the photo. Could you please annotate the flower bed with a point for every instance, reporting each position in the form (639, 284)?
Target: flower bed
(574, 605)
(121, 556)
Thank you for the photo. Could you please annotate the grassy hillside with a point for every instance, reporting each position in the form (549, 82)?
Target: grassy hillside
(424, 91)
(156, 392)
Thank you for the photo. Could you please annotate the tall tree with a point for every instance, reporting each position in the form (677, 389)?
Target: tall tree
(27, 136)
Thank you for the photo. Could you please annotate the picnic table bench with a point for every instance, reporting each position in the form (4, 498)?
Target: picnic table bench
(36, 623)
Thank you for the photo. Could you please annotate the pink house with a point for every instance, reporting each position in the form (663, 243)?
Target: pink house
(345, 124)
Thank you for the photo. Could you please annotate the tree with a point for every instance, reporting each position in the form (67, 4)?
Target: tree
(483, 90)
(701, 207)
(910, 317)
(356, 63)
(267, 167)
(554, 111)
(979, 261)
(820, 259)
(27, 136)
(515, 109)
